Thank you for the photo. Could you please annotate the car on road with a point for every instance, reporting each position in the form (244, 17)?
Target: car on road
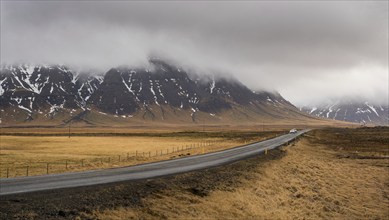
(294, 130)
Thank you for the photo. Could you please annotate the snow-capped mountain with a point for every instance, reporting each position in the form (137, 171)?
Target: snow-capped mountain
(352, 111)
(39, 92)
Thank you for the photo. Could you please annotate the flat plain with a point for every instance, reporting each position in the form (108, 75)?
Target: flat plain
(326, 174)
(40, 153)
(333, 173)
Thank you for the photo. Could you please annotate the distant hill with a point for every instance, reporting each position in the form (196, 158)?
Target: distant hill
(352, 111)
(164, 93)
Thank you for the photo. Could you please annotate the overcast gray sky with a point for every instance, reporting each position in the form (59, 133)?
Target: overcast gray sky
(308, 51)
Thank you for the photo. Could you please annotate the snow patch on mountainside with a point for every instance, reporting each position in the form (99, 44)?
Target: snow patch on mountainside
(359, 112)
(1, 87)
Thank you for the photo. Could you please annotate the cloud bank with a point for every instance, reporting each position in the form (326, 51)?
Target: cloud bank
(309, 51)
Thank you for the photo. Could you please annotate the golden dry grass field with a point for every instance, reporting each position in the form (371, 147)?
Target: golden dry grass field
(82, 129)
(327, 174)
(36, 154)
(310, 182)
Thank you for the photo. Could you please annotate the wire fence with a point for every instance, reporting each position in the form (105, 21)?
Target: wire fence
(50, 167)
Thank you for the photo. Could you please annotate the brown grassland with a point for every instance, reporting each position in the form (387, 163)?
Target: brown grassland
(36, 150)
(83, 151)
(313, 180)
(327, 174)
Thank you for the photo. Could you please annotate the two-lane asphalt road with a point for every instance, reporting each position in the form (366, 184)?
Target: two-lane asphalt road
(143, 171)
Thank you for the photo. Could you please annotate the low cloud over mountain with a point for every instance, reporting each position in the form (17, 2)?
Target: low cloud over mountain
(324, 49)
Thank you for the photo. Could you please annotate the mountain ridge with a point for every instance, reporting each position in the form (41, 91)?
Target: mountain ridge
(162, 93)
(362, 112)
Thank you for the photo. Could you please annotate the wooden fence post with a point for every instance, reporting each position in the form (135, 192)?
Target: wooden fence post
(7, 172)
(128, 156)
(47, 168)
(27, 170)
(149, 153)
(66, 162)
(136, 154)
(119, 158)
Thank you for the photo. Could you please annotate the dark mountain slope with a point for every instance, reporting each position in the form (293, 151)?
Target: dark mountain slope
(160, 93)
